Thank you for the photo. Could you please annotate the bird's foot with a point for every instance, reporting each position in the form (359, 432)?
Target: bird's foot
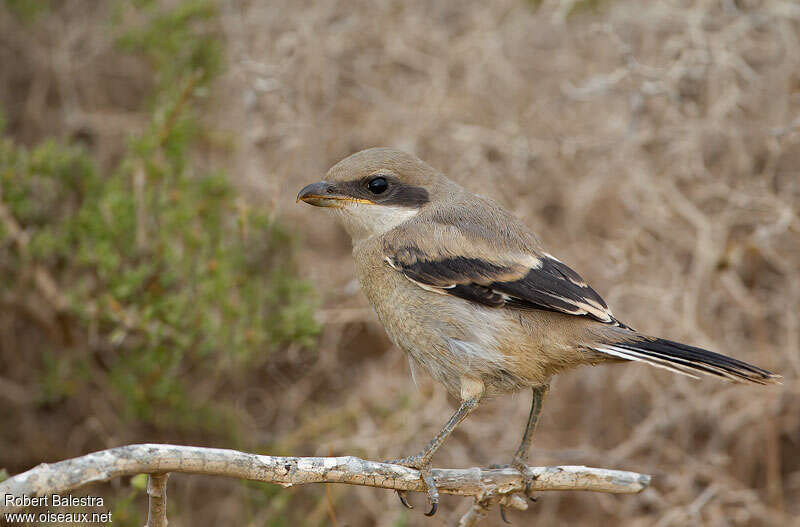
(522, 466)
(422, 463)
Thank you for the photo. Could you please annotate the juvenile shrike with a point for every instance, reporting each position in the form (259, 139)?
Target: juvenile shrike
(468, 292)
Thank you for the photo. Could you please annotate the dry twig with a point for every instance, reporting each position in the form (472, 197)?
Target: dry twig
(486, 486)
(157, 501)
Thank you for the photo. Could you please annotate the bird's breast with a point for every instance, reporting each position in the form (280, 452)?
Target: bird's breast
(447, 336)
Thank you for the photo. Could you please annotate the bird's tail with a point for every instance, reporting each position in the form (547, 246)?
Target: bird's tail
(685, 359)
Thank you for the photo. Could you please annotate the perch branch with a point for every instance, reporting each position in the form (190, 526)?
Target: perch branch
(159, 460)
(157, 500)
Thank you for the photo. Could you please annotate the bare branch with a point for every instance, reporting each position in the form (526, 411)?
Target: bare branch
(157, 507)
(160, 459)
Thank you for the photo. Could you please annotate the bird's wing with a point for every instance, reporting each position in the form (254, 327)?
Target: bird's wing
(489, 266)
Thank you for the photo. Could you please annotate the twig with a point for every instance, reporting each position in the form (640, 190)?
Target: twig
(478, 511)
(157, 506)
(329, 501)
(287, 471)
(172, 117)
(44, 281)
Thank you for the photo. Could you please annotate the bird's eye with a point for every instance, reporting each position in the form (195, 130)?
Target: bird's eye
(377, 185)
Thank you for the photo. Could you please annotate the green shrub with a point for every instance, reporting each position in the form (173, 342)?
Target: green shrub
(161, 274)
(27, 10)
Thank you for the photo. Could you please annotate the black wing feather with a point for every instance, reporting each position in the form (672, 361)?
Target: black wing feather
(551, 285)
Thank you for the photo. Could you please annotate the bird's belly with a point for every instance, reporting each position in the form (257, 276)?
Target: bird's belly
(448, 337)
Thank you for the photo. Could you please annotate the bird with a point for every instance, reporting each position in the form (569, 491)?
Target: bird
(467, 291)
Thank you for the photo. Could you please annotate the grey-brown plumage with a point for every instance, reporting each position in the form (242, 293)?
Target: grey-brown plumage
(468, 292)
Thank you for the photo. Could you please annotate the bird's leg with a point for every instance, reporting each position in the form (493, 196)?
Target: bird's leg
(520, 461)
(422, 461)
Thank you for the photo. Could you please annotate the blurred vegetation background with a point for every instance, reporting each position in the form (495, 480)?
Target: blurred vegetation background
(158, 283)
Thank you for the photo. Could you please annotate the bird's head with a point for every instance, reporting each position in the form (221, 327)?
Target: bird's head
(375, 190)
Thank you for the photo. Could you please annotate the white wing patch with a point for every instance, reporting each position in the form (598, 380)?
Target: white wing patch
(440, 290)
(592, 308)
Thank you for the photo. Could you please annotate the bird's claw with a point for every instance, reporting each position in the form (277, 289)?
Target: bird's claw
(423, 464)
(433, 492)
(503, 515)
(403, 495)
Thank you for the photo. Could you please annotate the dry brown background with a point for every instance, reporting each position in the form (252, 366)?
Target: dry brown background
(653, 146)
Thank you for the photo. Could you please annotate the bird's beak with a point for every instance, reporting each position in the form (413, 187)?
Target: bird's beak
(324, 194)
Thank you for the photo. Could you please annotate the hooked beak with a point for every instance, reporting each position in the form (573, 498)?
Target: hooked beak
(324, 194)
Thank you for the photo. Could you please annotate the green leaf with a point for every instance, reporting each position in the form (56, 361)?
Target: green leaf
(139, 482)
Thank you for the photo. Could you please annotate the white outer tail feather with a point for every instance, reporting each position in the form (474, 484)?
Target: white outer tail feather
(657, 360)
(643, 357)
